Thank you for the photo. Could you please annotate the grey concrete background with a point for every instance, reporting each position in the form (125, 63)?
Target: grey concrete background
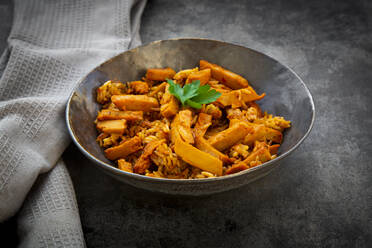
(322, 197)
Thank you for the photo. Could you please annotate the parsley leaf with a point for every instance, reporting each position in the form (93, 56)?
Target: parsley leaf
(193, 104)
(191, 90)
(193, 94)
(176, 90)
(206, 95)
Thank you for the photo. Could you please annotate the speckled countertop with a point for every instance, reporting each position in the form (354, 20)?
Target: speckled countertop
(322, 197)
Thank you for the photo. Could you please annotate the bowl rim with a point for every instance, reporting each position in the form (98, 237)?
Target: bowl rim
(117, 171)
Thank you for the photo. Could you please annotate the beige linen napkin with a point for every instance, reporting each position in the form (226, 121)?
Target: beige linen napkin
(52, 44)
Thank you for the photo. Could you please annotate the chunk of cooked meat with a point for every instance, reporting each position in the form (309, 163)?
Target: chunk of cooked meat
(235, 168)
(181, 75)
(169, 104)
(107, 114)
(275, 122)
(212, 131)
(135, 102)
(258, 156)
(213, 110)
(143, 162)
(261, 133)
(239, 151)
(184, 128)
(170, 108)
(252, 114)
(274, 149)
(160, 88)
(139, 87)
(106, 139)
(109, 89)
(230, 136)
(235, 114)
(203, 76)
(225, 76)
(239, 98)
(124, 149)
(257, 107)
(202, 124)
(218, 86)
(124, 165)
(112, 126)
(157, 74)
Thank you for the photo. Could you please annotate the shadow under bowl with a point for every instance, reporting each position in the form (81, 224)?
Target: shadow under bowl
(286, 95)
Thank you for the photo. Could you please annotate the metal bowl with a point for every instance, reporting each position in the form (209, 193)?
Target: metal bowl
(286, 95)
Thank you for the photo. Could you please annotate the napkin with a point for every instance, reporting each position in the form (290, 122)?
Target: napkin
(52, 44)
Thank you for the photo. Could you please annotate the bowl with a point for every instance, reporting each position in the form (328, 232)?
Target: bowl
(286, 95)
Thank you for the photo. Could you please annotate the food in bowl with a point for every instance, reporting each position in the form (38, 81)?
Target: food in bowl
(195, 123)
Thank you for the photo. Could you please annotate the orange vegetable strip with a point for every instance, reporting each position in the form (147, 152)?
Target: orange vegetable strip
(193, 155)
(135, 102)
(124, 149)
(225, 76)
(156, 74)
(112, 126)
(109, 114)
(203, 145)
(230, 136)
(238, 98)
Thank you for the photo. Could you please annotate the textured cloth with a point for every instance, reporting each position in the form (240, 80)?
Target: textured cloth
(52, 44)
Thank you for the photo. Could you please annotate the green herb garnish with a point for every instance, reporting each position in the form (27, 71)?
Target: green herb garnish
(193, 94)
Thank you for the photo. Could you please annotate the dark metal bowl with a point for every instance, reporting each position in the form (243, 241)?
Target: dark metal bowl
(287, 96)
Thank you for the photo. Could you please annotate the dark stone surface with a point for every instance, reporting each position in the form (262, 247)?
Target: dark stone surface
(322, 197)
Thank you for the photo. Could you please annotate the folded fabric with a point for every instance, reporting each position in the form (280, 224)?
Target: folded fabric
(52, 44)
